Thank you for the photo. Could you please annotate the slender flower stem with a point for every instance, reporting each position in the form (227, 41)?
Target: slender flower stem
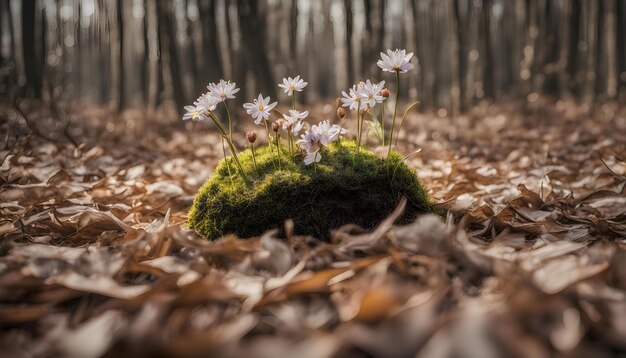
(254, 157)
(315, 163)
(406, 111)
(226, 160)
(293, 101)
(230, 123)
(278, 148)
(382, 120)
(395, 109)
(358, 127)
(290, 143)
(220, 128)
(269, 134)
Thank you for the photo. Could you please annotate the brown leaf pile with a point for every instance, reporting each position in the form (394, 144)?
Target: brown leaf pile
(530, 261)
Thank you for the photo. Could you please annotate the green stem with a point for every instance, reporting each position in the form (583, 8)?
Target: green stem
(278, 148)
(226, 160)
(293, 101)
(358, 128)
(315, 163)
(395, 109)
(269, 134)
(230, 123)
(382, 121)
(406, 111)
(254, 157)
(220, 128)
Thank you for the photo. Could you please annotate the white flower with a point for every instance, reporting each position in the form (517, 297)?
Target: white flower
(206, 103)
(223, 90)
(194, 113)
(312, 157)
(328, 133)
(260, 108)
(294, 120)
(352, 99)
(371, 93)
(290, 85)
(395, 61)
(297, 127)
(295, 115)
(309, 142)
(318, 136)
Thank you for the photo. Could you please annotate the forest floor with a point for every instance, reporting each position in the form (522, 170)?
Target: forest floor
(95, 258)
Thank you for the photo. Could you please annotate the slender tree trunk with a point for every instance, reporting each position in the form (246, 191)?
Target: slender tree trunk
(487, 51)
(121, 99)
(620, 44)
(33, 72)
(347, 4)
(168, 50)
(4, 62)
(251, 21)
(213, 68)
(145, 67)
(462, 51)
(573, 62)
(293, 36)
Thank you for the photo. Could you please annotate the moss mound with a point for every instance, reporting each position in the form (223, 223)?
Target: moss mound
(345, 188)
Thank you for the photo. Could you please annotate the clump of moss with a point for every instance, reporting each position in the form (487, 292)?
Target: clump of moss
(345, 187)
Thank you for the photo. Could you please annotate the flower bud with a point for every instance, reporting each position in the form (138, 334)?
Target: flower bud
(290, 125)
(275, 127)
(338, 102)
(341, 112)
(251, 136)
(385, 92)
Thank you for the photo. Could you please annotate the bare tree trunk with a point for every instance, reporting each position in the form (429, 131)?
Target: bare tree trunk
(620, 42)
(461, 20)
(251, 21)
(168, 50)
(145, 86)
(41, 58)
(293, 36)
(121, 99)
(552, 47)
(213, 69)
(32, 70)
(78, 62)
(487, 52)
(573, 62)
(347, 4)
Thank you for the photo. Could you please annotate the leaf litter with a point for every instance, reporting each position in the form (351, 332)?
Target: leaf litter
(529, 258)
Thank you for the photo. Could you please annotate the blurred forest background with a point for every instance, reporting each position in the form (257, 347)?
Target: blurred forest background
(124, 53)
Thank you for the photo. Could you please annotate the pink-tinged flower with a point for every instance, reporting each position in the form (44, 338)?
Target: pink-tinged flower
(317, 137)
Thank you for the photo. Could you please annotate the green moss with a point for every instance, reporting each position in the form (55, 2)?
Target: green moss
(345, 188)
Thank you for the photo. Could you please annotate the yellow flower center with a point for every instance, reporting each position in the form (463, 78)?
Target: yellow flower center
(292, 87)
(396, 68)
(261, 107)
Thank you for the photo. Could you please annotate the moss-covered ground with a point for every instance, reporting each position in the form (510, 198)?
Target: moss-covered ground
(345, 187)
